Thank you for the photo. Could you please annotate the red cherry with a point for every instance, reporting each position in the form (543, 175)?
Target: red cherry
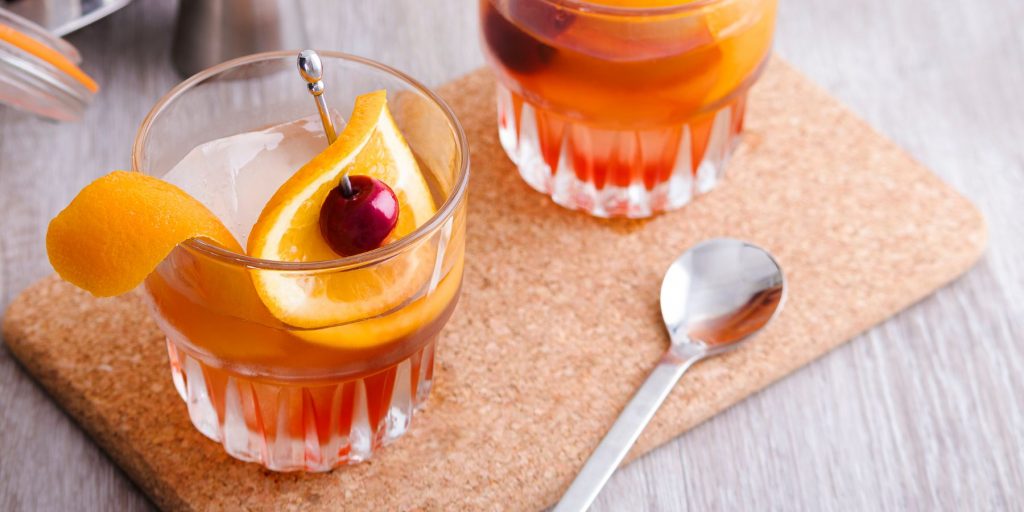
(513, 47)
(359, 222)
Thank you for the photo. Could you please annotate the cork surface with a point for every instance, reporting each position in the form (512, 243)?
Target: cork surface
(558, 321)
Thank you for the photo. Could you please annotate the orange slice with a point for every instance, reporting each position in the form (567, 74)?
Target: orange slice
(744, 37)
(288, 230)
(403, 322)
(121, 226)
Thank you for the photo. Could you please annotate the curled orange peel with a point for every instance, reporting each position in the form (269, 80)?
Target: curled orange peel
(121, 226)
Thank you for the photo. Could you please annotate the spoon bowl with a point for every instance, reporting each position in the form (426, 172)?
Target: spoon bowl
(720, 293)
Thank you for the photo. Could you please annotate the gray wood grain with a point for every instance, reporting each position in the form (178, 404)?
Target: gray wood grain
(922, 412)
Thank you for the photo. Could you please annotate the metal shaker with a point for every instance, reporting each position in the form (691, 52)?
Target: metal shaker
(209, 32)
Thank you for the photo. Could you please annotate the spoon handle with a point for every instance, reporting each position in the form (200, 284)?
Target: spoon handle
(624, 432)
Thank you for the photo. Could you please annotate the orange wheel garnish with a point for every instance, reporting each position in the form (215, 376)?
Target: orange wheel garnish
(318, 303)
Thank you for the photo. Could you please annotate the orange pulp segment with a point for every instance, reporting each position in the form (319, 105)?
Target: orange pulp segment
(401, 323)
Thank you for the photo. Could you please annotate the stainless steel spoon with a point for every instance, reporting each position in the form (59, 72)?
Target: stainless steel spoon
(715, 296)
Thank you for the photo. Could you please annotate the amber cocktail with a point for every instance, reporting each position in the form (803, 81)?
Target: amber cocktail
(624, 107)
(302, 365)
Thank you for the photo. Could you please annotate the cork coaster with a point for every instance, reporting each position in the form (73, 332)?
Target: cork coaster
(558, 321)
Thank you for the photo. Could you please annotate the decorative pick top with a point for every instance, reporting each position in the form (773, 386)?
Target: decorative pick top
(360, 213)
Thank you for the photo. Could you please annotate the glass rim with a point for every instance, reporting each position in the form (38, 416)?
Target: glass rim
(588, 6)
(368, 258)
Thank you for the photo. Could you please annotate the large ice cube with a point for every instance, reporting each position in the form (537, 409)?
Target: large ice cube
(236, 176)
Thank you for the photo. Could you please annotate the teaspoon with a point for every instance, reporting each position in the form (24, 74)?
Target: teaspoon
(714, 297)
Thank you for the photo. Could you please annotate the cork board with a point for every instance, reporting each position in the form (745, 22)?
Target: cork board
(558, 321)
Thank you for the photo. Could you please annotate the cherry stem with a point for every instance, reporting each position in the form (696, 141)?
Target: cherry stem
(346, 186)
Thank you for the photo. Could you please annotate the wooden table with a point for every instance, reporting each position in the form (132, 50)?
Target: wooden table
(922, 412)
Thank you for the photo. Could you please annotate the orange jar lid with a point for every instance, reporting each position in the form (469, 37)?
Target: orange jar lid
(39, 72)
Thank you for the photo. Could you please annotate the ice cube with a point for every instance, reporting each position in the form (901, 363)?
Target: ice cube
(235, 176)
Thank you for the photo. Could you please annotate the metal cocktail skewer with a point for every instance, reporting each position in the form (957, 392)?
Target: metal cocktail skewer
(312, 70)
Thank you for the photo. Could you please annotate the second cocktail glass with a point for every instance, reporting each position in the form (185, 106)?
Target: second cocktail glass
(624, 108)
(310, 396)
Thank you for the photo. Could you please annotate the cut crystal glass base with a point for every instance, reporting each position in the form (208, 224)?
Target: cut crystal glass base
(617, 173)
(291, 426)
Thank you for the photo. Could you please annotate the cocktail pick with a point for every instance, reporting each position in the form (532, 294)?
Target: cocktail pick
(312, 70)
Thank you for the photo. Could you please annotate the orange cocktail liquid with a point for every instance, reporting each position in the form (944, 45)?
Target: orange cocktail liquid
(296, 398)
(623, 109)
(324, 406)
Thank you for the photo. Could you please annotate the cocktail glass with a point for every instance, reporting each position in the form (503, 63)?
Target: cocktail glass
(624, 108)
(306, 397)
